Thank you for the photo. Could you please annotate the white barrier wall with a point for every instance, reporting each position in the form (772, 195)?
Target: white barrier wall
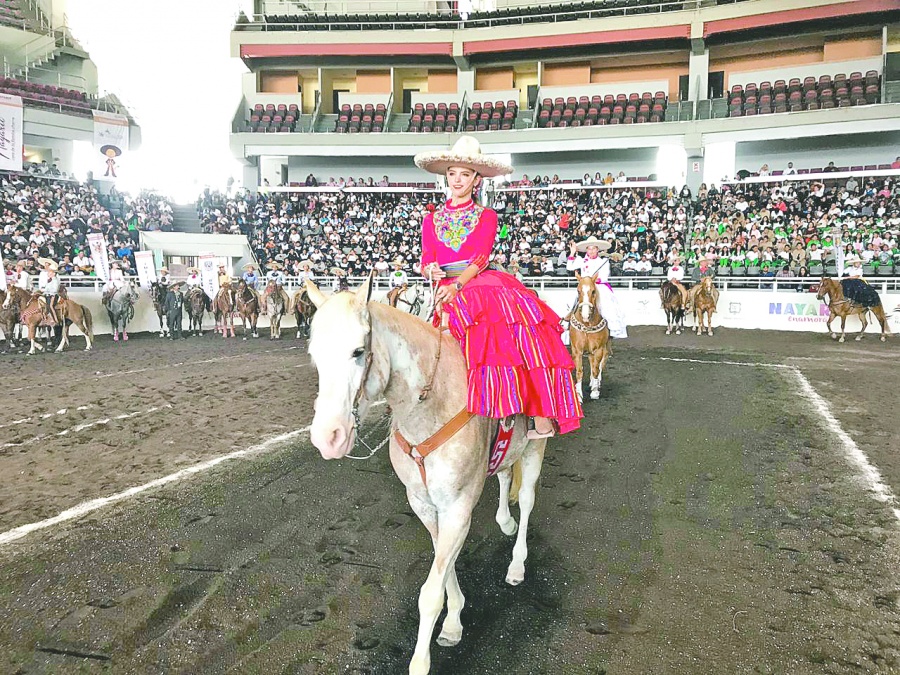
(750, 309)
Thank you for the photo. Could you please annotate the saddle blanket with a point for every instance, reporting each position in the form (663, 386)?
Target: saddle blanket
(500, 446)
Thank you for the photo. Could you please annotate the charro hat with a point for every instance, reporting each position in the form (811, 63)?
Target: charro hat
(602, 244)
(465, 152)
(249, 266)
(398, 261)
(51, 264)
(273, 265)
(193, 270)
(305, 263)
(43, 262)
(337, 271)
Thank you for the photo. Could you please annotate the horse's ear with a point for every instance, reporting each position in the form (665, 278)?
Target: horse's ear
(364, 292)
(577, 274)
(595, 275)
(318, 298)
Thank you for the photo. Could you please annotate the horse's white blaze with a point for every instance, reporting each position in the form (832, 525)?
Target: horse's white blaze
(585, 304)
(340, 375)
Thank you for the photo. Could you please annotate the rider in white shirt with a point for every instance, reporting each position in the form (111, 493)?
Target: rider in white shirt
(398, 277)
(115, 283)
(48, 284)
(193, 281)
(675, 275)
(23, 279)
(340, 280)
(305, 272)
(593, 263)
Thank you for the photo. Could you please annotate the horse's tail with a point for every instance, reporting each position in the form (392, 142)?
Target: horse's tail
(516, 484)
(88, 321)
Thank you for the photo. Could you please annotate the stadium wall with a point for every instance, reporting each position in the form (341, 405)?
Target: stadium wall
(767, 310)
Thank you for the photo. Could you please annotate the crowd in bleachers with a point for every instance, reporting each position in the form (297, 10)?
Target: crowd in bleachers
(743, 228)
(44, 217)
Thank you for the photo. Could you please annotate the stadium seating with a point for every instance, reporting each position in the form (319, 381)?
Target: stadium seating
(434, 117)
(68, 101)
(598, 110)
(809, 93)
(491, 116)
(11, 14)
(359, 118)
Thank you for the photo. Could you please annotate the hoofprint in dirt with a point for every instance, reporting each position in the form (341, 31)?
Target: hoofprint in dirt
(700, 522)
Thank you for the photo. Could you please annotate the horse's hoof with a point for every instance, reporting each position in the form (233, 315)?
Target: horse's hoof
(668, 332)
(859, 337)
(841, 339)
(245, 339)
(595, 394)
(449, 638)
(709, 332)
(882, 338)
(510, 527)
(515, 575)
(677, 332)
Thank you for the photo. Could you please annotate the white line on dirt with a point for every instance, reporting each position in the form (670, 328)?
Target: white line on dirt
(95, 504)
(42, 417)
(752, 364)
(86, 425)
(164, 366)
(869, 475)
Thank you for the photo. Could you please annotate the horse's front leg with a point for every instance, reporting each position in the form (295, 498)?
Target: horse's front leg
(531, 460)
(843, 327)
(32, 335)
(578, 357)
(828, 326)
(596, 357)
(451, 631)
(454, 526)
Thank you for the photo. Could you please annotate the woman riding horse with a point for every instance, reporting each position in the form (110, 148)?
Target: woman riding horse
(595, 263)
(516, 359)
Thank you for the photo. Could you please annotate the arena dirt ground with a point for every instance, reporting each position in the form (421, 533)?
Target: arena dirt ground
(704, 520)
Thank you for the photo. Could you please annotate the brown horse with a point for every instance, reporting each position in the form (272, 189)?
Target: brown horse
(705, 298)
(9, 319)
(840, 306)
(67, 311)
(588, 332)
(277, 301)
(673, 305)
(223, 310)
(303, 310)
(248, 307)
(197, 305)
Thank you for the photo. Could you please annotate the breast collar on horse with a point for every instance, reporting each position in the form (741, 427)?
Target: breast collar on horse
(419, 451)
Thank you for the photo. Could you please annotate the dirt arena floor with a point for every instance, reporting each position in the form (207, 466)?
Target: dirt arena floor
(717, 513)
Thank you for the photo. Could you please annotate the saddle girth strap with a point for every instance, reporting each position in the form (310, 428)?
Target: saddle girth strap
(433, 442)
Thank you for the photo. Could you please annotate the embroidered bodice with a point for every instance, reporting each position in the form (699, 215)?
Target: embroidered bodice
(463, 232)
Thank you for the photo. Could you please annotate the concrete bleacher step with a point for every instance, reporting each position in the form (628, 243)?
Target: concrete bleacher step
(325, 123)
(185, 218)
(398, 123)
(891, 92)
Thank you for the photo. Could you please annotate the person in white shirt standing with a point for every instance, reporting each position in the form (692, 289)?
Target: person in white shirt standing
(594, 263)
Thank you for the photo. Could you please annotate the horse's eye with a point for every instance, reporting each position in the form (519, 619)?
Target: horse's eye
(358, 352)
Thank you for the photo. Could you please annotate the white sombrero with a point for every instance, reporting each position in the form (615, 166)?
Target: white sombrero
(52, 265)
(304, 263)
(249, 266)
(601, 244)
(273, 265)
(43, 262)
(465, 152)
(337, 271)
(193, 270)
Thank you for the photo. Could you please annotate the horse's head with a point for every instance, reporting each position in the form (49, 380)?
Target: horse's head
(341, 348)
(587, 295)
(706, 283)
(11, 296)
(130, 293)
(824, 288)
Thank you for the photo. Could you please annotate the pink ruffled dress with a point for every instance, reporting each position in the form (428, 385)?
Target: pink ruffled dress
(516, 360)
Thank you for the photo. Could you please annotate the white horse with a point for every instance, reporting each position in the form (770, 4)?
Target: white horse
(364, 350)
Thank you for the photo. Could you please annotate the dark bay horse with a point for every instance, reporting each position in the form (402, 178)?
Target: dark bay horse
(158, 295)
(588, 332)
(839, 305)
(67, 312)
(248, 307)
(705, 299)
(197, 304)
(673, 305)
(304, 310)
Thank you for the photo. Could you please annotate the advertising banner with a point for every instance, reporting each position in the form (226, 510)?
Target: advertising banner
(146, 268)
(209, 278)
(11, 143)
(99, 254)
(110, 144)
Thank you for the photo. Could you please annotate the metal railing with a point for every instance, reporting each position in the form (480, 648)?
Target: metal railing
(554, 283)
(388, 19)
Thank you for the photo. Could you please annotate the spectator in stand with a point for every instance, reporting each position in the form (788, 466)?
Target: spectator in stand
(831, 168)
(790, 170)
(896, 163)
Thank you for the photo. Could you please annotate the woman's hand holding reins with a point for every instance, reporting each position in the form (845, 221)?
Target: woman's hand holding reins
(444, 294)
(434, 272)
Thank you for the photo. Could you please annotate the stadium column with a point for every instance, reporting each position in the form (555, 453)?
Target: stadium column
(698, 67)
